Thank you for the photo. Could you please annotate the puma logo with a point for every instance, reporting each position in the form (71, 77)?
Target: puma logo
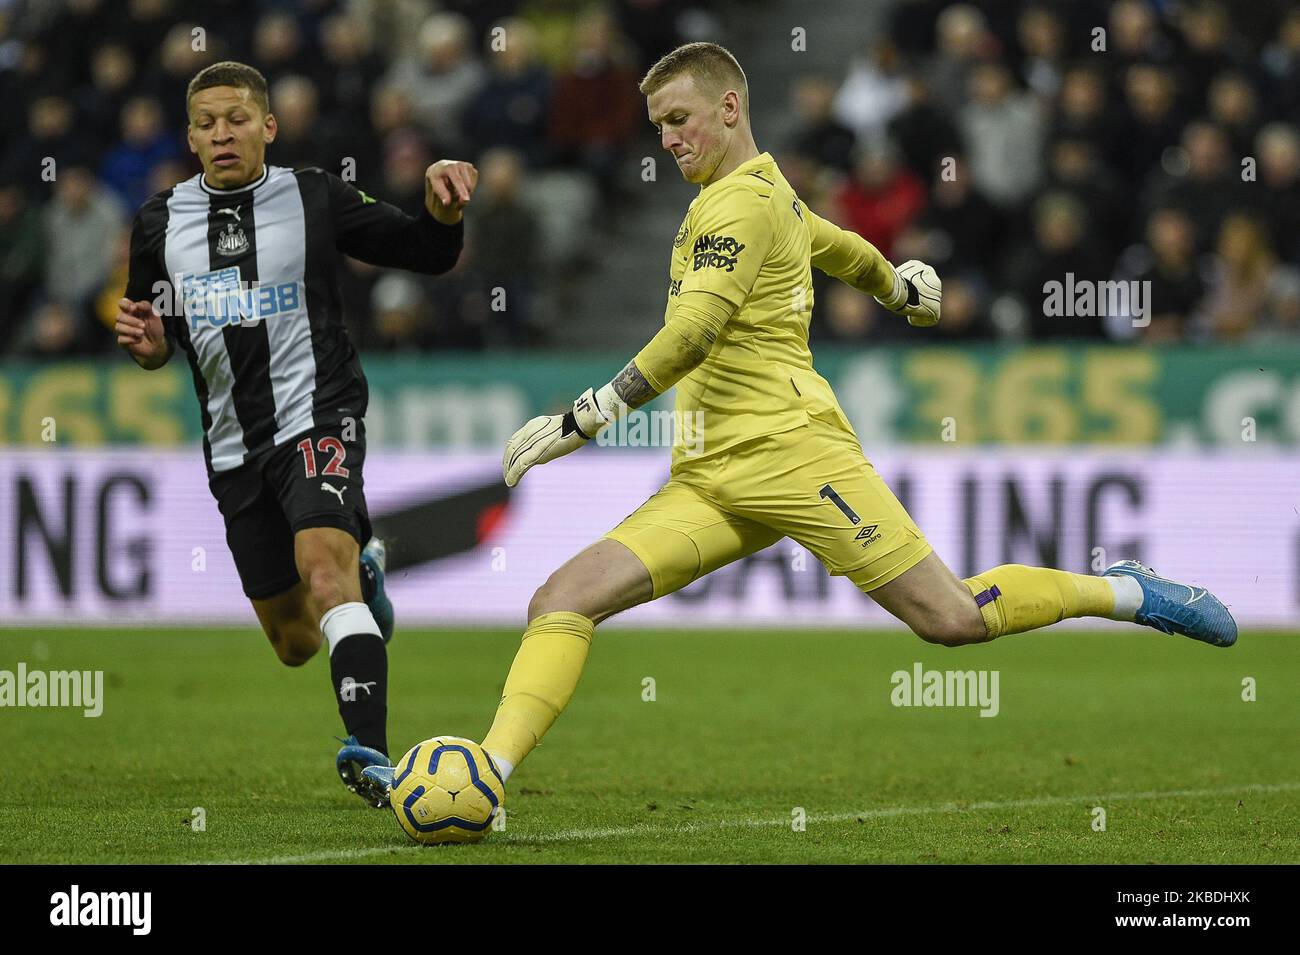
(230, 211)
(348, 689)
(334, 490)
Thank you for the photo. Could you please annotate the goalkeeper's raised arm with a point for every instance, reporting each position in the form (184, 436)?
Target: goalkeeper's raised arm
(912, 290)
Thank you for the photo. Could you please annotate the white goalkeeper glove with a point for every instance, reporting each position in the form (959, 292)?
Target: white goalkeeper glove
(552, 436)
(916, 294)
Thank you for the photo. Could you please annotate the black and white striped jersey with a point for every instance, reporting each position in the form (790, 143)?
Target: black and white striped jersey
(246, 282)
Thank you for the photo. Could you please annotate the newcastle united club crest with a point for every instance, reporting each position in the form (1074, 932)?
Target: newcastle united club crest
(231, 240)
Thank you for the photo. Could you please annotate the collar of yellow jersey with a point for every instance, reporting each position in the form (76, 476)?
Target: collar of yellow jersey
(748, 166)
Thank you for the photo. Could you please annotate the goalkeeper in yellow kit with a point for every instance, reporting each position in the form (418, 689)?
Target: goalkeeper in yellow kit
(779, 458)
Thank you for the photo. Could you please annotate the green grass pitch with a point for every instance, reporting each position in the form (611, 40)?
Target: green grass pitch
(744, 728)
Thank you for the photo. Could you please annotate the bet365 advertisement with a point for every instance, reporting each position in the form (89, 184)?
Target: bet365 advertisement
(1001, 395)
(110, 536)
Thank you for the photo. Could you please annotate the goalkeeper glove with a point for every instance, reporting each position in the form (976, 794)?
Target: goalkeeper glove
(916, 293)
(548, 437)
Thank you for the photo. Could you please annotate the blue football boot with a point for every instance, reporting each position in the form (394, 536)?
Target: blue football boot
(1172, 607)
(374, 557)
(380, 777)
(352, 762)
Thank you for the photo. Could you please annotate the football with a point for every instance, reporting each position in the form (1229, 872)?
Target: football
(446, 789)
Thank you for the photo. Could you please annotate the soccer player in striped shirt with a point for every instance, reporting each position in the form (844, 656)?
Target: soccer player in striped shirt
(237, 269)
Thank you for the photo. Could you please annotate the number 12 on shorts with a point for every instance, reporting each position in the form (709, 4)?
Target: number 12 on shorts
(326, 445)
(829, 493)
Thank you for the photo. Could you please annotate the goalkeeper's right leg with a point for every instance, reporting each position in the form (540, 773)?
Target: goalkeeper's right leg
(562, 616)
(677, 536)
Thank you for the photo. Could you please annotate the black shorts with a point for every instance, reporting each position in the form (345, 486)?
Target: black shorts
(312, 480)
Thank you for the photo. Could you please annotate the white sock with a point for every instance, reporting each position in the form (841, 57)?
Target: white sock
(1128, 597)
(345, 620)
(504, 766)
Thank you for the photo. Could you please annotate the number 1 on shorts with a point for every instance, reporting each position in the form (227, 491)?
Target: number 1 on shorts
(829, 492)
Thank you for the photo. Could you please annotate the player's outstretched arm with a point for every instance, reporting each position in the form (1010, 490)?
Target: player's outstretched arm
(673, 353)
(380, 234)
(912, 290)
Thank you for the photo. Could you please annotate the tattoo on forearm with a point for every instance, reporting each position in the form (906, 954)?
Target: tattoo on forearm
(630, 385)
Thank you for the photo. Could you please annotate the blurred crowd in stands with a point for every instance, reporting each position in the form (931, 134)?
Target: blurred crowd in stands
(1012, 145)
(994, 140)
(373, 90)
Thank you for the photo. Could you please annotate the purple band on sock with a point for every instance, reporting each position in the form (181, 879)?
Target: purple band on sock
(987, 596)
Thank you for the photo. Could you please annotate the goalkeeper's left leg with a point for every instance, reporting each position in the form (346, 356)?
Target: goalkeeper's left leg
(816, 487)
(1013, 598)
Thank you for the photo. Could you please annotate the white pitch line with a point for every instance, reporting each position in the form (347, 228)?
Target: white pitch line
(578, 835)
(588, 835)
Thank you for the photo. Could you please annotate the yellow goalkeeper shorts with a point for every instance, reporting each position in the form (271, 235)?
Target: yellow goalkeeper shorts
(811, 484)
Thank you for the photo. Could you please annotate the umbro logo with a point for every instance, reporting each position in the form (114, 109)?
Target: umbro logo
(867, 535)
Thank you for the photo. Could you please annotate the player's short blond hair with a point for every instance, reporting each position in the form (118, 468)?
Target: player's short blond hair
(712, 67)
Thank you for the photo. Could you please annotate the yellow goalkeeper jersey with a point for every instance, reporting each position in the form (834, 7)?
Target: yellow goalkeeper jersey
(749, 239)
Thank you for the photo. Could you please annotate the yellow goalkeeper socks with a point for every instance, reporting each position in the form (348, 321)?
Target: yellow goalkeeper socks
(1014, 598)
(541, 683)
